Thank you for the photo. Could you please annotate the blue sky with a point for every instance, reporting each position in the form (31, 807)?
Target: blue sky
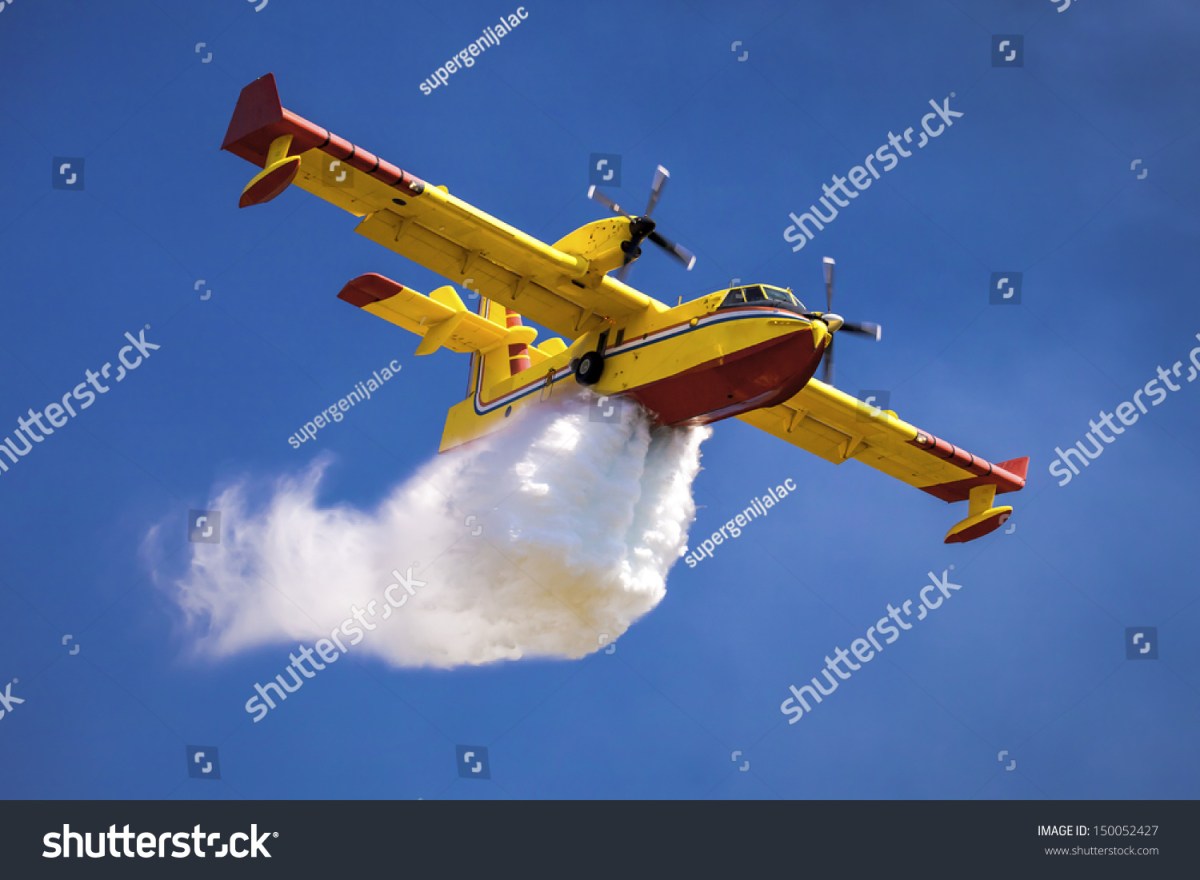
(1029, 657)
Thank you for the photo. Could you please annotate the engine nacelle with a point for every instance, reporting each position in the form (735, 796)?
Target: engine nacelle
(599, 242)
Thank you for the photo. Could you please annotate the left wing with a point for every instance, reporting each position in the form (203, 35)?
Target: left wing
(837, 427)
(563, 287)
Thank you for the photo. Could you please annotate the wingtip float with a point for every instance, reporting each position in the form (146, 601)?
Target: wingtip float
(749, 352)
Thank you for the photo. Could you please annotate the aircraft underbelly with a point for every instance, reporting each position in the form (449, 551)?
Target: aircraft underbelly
(727, 385)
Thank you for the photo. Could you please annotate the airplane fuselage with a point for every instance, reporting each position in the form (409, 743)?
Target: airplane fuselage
(692, 364)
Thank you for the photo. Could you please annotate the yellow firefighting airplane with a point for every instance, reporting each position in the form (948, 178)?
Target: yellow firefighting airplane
(749, 352)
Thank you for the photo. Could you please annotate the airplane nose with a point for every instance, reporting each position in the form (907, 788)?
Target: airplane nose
(832, 321)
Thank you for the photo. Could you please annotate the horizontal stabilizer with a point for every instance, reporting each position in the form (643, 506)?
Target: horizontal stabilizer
(441, 318)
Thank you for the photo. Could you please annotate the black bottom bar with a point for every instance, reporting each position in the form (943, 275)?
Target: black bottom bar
(738, 838)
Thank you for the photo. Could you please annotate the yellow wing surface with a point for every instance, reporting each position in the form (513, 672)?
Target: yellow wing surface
(563, 287)
(837, 427)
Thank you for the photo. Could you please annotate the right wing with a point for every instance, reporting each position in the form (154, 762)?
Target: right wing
(837, 427)
(558, 289)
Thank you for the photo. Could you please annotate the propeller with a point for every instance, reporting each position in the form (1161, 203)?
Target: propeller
(642, 227)
(861, 328)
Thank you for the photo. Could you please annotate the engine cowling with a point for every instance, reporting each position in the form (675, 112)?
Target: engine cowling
(600, 243)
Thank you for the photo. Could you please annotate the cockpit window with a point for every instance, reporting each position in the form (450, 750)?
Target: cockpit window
(759, 295)
(735, 298)
(779, 295)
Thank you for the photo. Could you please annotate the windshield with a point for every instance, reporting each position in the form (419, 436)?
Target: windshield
(759, 295)
(776, 294)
